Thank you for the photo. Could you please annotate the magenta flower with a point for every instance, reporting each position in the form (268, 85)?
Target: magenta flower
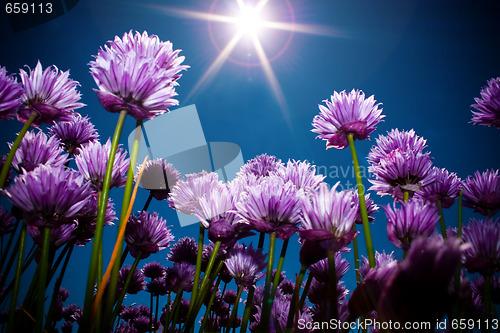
(137, 73)
(347, 113)
(301, 174)
(444, 188)
(482, 192)
(159, 177)
(49, 196)
(186, 194)
(245, 265)
(401, 171)
(74, 133)
(87, 220)
(272, 206)
(147, 233)
(36, 149)
(185, 250)
(10, 93)
(180, 276)
(261, 166)
(319, 270)
(413, 219)
(136, 284)
(488, 106)
(371, 208)
(92, 160)
(49, 93)
(328, 218)
(153, 270)
(483, 252)
(382, 260)
(404, 141)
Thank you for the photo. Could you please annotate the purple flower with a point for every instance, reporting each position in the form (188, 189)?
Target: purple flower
(6, 222)
(404, 141)
(382, 260)
(272, 206)
(147, 233)
(445, 188)
(58, 236)
(137, 282)
(482, 192)
(245, 265)
(157, 286)
(153, 270)
(319, 270)
(347, 113)
(328, 218)
(49, 196)
(261, 166)
(180, 276)
(10, 91)
(87, 220)
(74, 133)
(401, 171)
(483, 253)
(137, 73)
(229, 296)
(413, 219)
(36, 149)
(371, 208)
(301, 174)
(488, 106)
(418, 290)
(186, 194)
(49, 93)
(477, 288)
(159, 177)
(92, 160)
(185, 250)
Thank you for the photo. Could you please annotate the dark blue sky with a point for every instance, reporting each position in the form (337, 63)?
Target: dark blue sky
(424, 60)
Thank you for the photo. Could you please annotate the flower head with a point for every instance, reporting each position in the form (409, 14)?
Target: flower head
(36, 149)
(159, 177)
(261, 166)
(319, 270)
(10, 91)
(398, 168)
(92, 160)
(180, 276)
(272, 206)
(347, 114)
(87, 220)
(147, 233)
(74, 133)
(6, 222)
(50, 93)
(483, 253)
(153, 270)
(445, 188)
(49, 196)
(245, 265)
(58, 236)
(137, 73)
(328, 218)
(301, 174)
(413, 219)
(381, 260)
(185, 250)
(482, 192)
(136, 284)
(488, 106)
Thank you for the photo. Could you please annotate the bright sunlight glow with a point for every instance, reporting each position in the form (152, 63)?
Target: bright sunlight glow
(249, 20)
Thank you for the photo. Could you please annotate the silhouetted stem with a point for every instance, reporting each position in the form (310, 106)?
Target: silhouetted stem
(19, 266)
(295, 296)
(267, 301)
(42, 282)
(277, 275)
(441, 219)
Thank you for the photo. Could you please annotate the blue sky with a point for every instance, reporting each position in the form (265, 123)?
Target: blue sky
(425, 61)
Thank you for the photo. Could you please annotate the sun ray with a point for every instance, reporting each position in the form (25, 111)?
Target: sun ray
(177, 12)
(216, 64)
(273, 81)
(311, 29)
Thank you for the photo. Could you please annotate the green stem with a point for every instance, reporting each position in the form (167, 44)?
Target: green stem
(42, 282)
(362, 203)
(332, 285)
(19, 266)
(197, 271)
(295, 296)
(441, 219)
(125, 287)
(209, 306)
(248, 309)
(305, 291)
(101, 213)
(113, 279)
(356, 254)
(175, 307)
(5, 169)
(277, 275)
(268, 301)
(234, 312)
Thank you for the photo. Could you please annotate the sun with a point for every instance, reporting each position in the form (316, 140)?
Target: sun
(249, 21)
